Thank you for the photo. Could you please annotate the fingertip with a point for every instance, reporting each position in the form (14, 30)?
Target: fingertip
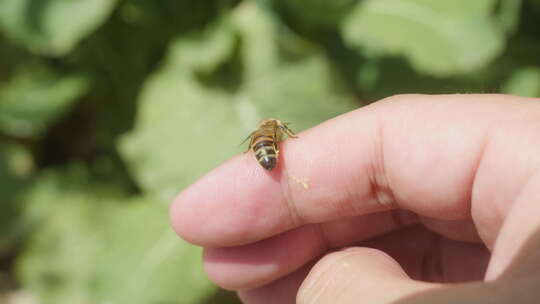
(229, 268)
(281, 291)
(177, 222)
(218, 273)
(355, 273)
(373, 262)
(253, 265)
(193, 212)
(192, 218)
(229, 206)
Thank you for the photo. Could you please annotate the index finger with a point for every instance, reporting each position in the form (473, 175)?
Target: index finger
(414, 152)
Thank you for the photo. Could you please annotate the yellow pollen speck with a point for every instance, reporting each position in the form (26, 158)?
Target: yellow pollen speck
(303, 181)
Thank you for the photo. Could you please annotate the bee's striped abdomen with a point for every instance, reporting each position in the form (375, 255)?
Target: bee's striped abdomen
(265, 150)
(264, 141)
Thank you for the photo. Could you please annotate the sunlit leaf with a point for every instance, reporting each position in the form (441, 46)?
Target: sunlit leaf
(52, 27)
(524, 82)
(35, 97)
(438, 37)
(509, 13)
(91, 245)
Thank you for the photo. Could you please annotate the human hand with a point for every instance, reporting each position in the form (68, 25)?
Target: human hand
(417, 186)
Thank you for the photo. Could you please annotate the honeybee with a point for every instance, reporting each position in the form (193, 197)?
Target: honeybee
(264, 141)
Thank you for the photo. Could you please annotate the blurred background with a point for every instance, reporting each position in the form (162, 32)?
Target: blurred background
(108, 108)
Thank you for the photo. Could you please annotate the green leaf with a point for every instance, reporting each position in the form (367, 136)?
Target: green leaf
(524, 82)
(16, 163)
(156, 266)
(91, 245)
(52, 27)
(16, 168)
(203, 51)
(187, 125)
(440, 38)
(509, 14)
(35, 97)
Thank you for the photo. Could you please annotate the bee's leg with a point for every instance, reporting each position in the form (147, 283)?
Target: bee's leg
(288, 131)
(277, 137)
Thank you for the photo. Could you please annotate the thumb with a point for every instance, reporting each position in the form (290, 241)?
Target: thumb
(366, 275)
(358, 274)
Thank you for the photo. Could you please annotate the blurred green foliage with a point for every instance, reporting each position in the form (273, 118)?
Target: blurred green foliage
(109, 108)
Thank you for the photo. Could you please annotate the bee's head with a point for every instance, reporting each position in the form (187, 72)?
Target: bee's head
(270, 122)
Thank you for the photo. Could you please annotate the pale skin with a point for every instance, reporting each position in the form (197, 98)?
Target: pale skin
(424, 191)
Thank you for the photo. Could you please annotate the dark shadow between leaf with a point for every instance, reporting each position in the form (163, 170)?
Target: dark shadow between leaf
(228, 75)
(222, 296)
(34, 12)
